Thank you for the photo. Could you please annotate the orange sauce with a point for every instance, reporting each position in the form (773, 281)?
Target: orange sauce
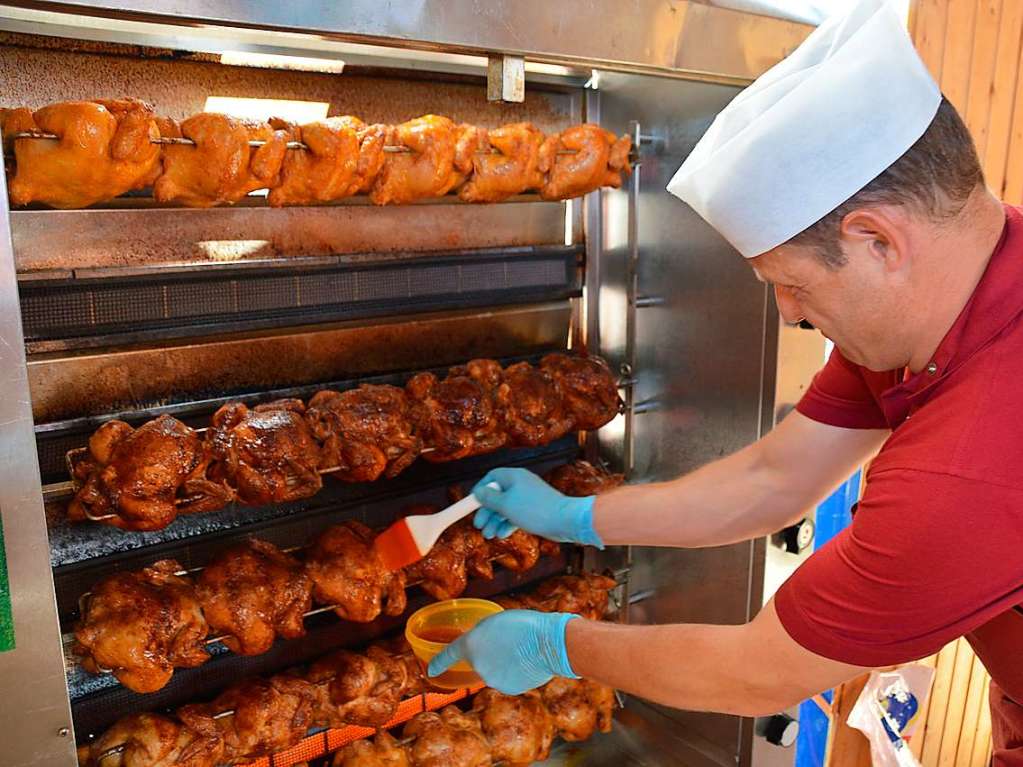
(441, 634)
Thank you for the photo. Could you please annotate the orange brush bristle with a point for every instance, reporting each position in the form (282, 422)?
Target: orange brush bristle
(396, 547)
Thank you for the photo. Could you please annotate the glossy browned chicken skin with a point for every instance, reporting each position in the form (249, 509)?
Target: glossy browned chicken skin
(459, 419)
(585, 594)
(532, 408)
(347, 572)
(588, 388)
(578, 707)
(221, 168)
(151, 740)
(514, 168)
(582, 479)
(382, 751)
(367, 432)
(399, 649)
(358, 688)
(267, 454)
(252, 593)
(581, 159)
(145, 476)
(518, 552)
(269, 715)
(104, 149)
(429, 169)
(371, 150)
(327, 170)
(447, 738)
(518, 727)
(141, 625)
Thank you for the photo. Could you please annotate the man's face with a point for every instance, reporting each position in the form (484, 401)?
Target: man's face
(855, 305)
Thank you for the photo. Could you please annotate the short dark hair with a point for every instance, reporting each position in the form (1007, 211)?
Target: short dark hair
(936, 175)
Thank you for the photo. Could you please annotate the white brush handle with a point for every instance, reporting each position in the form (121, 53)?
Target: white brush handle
(432, 526)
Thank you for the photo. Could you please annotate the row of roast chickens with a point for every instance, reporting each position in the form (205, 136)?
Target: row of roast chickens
(141, 479)
(106, 148)
(141, 625)
(257, 717)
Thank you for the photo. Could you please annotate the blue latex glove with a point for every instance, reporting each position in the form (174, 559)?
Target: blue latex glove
(526, 501)
(513, 651)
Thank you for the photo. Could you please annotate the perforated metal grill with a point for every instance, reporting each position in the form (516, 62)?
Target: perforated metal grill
(162, 299)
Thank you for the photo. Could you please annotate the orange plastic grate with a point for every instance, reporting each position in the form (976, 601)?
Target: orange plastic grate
(325, 742)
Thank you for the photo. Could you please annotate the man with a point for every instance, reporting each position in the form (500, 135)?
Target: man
(854, 188)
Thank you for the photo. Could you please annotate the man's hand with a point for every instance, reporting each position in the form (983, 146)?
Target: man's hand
(513, 651)
(526, 501)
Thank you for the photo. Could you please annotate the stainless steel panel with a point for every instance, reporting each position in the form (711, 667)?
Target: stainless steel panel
(34, 713)
(78, 239)
(702, 344)
(655, 36)
(66, 386)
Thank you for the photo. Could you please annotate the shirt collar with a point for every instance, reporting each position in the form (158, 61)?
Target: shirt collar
(996, 302)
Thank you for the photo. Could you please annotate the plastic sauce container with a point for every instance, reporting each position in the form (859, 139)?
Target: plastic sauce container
(435, 626)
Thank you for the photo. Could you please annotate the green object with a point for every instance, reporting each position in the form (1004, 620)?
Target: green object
(6, 619)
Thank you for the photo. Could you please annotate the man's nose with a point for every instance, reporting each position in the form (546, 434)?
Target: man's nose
(788, 306)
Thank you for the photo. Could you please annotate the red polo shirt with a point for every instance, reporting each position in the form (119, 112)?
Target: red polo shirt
(935, 550)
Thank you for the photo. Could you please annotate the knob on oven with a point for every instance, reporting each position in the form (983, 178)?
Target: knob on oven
(795, 538)
(779, 730)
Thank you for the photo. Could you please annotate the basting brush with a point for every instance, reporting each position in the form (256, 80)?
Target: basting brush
(410, 539)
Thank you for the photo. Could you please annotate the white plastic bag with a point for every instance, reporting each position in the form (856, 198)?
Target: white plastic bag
(889, 709)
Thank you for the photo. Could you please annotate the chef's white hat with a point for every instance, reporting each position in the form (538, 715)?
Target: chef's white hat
(811, 131)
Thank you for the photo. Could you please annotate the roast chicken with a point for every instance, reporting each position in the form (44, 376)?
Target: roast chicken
(269, 715)
(588, 388)
(358, 688)
(221, 168)
(585, 594)
(327, 170)
(252, 593)
(267, 454)
(347, 572)
(578, 707)
(382, 751)
(533, 411)
(581, 159)
(582, 479)
(513, 169)
(152, 740)
(367, 432)
(459, 419)
(447, 738)
(103, 149)
(141, 625)
(371, 150)
(519, 728)
(145, 477)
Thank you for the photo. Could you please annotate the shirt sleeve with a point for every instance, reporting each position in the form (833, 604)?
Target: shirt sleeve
(840, 396)
(928, 557)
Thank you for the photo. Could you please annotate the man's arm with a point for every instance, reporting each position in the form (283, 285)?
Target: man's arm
(751, 670)
(756, 491)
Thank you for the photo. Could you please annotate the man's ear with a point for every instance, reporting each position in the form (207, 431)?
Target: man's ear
(876, 232)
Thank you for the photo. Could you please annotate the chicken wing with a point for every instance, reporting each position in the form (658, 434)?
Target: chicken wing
(221, 167)
(582, 479)
(458, 416)
(371, 150)
(103, 149)
(267, 454)
(357, 688)
(519, 552)
(581, 159)
(447, 738)
(269, 715)
(513, 169)
(141, 625)
(367, 432)
(519, 728)
(254, 592)
(428, 170)
(347, 572)
(532, 408)
(382, 751)
(151, 740)
(326, 171)
(588, 388)
(145, 476)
